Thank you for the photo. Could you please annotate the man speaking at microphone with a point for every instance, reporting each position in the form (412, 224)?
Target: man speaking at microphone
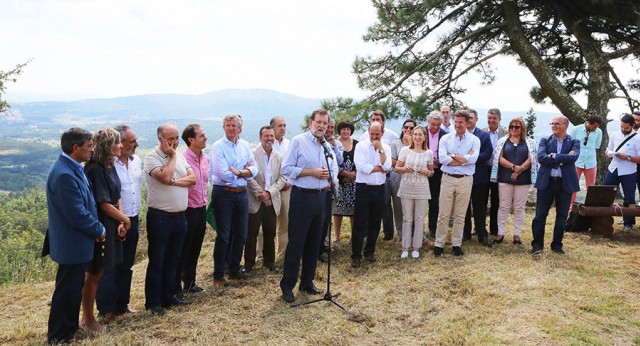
(306, 168)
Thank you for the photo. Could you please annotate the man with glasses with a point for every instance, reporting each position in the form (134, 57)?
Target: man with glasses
(590, 137)
(557, 180)
(624, 151)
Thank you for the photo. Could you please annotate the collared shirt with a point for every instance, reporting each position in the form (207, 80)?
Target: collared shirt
(281, 147)
(388, 136)
(306, 152)
(130, 178)
(587, 158)
(268, 171)
(169, 198)
(447, 128)
(338, 151)
(433, 144)
(200, 167)
(493, 137)
(451, 143)
(632, 147)
(225, 154)
(366, 157)
(556, 172)
(78, 166)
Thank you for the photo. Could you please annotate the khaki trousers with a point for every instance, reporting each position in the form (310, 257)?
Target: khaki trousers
(458, 190)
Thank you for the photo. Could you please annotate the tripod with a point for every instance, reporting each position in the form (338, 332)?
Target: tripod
(327, 296)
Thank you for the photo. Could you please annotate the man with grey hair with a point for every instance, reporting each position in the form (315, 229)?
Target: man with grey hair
(495, 132)
(168, 179)
(232, 164)
(557, 180)
(445, 111)
(435, 133)
(129, 169)
(281, 145)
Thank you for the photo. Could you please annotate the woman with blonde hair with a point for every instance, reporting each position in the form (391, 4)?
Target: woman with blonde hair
(515, 168)
(105, 186)
(415, 164)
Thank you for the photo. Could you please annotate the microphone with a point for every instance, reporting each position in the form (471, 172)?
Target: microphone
(328, 150)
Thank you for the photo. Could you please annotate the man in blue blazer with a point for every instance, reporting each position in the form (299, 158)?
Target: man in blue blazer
(72, 231)
(480, 189)
(557, 180)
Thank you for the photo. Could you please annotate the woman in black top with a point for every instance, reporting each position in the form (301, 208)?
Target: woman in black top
(347, 178)
(105, 186)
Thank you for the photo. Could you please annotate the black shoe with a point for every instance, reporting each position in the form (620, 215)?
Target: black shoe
(498, 241)
(355, 263)
(272, 267)
(388, 237)
(193, 289)
(559, 251)
(457, 251)
(536, 251)
(517, 242)
(247, 269)
(437, 251)
(311, 289)
(156, 310)
(322, 258)
(288, 296)
(178, 299)
(485, 242)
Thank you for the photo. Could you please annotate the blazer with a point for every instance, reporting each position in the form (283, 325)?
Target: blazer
(501, 131)
(563, 160)
(483, 165)
(73, 216)
(257, 184)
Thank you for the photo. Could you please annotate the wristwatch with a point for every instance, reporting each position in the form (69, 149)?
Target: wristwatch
(381, 151)
(629, 158)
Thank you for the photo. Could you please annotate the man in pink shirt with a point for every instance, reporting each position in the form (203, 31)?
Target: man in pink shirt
(195, 138)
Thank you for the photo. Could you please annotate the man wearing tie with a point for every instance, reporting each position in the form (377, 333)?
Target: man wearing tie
(306, 169)
(372, 165)
(557, 180)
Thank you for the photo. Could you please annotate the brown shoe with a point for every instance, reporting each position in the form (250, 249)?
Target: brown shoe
(220, 282)
(355, 263)
(239, 276)
(109, 317)
(371, 258)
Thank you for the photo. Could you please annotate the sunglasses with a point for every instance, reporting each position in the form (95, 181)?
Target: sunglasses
(407, 127)
(511, 127)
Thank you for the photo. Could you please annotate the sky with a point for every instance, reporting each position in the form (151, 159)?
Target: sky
(100, 49)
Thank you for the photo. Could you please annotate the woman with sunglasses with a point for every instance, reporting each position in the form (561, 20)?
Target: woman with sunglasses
(394, 178)
(515, 167)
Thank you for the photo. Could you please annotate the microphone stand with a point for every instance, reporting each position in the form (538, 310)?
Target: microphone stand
(327, 295)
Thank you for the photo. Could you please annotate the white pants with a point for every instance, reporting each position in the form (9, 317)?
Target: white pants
(413, 212)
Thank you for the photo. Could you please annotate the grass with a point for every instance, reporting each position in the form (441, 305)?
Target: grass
(490, 296)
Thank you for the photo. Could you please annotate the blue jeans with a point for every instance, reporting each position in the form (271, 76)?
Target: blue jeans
(165, 234)
(628, 183)
(231, 210)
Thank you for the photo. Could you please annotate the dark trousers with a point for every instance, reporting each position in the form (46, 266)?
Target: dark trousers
(545, 198)
(65, 303)
(267, 218)
(479, 204)
(387, 216)
(495, 205)
(306, 211)
(123, 270)
(232, 219)
(628, 183)
(165, 235)
(434, 188)
(369, 206)
(196, 228)
(326, 223)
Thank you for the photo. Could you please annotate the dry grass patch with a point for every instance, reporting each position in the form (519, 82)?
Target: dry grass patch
(490, 296)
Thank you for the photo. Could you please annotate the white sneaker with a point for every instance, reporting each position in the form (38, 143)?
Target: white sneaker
(404, 254)
(415, 254)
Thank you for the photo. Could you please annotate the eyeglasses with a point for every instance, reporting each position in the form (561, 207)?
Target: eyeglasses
(407, 127)
(511, 127)
(555, 124)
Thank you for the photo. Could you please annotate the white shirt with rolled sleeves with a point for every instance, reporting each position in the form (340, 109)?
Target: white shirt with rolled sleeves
(366, 157)
(306, 152)
(452, 144)
(632, 148)
(130, 179)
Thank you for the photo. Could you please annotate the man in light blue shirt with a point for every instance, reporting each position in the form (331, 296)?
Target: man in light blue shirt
(231, 165)
(458, 152)
(590, 137)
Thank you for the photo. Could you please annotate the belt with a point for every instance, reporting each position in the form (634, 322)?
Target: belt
(367, 185)
(556, 178)
(167, 213)
(308, 190)
(456, 175)
(230, 189)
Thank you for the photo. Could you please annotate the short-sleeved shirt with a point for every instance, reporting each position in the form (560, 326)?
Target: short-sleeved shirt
(516, 154)
(161, 196)
(415, 185)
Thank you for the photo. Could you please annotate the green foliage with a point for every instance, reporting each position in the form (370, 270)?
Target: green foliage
(25, 164)
(530, 122)
(23, 222)
(5, 77)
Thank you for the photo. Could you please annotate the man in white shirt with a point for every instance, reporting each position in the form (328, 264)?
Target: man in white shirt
(446, 125)
(281, 145)
(129, 169)
(624, 149)
(458, 152)
(372, 165)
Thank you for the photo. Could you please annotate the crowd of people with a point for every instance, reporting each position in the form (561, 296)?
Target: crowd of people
(280, 199)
